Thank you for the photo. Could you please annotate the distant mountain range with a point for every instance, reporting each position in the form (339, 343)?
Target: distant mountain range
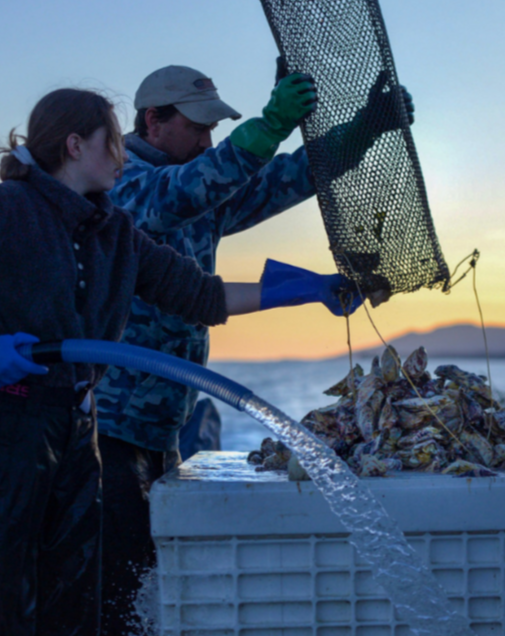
(464, 341)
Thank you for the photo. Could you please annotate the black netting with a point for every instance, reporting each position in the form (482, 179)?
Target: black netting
(368, 178)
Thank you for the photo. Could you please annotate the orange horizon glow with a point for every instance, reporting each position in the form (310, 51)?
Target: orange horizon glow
(258, 355)
(442, 325)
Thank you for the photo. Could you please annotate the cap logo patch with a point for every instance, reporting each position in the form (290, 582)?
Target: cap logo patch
(204, 84)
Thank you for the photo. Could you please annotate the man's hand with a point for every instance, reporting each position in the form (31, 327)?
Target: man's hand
(348, 142)
(383, 109)
(292, 99)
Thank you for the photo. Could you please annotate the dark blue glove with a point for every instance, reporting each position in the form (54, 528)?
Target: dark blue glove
(13, 367)
(408, 100)
(383, 109)
(348, 143)
(285, 285)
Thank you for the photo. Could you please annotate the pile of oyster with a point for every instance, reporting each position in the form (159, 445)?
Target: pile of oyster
(399, 417)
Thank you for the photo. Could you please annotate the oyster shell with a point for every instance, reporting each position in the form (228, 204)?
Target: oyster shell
(415, 365)
(390, 365)
(463, 468)
(371, 466)
(389, 427)
(368, 405)
(345, 386)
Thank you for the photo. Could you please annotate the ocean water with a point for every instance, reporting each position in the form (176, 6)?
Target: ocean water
(296, 387)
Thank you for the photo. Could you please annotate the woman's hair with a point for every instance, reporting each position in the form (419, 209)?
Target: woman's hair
(55, 117)
(163, 114)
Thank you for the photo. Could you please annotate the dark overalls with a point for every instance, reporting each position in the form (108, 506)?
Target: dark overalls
(50, 514)
(69, 269)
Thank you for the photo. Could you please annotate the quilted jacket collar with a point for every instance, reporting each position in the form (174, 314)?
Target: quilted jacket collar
(75, 209)
(146, 152)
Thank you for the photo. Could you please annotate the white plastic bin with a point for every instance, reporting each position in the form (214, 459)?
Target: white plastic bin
(243, 553)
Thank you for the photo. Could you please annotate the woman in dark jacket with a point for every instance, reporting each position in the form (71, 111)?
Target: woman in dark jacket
(70, 263)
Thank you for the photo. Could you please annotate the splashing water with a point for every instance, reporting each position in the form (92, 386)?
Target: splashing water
(146, 605)
(419, 599)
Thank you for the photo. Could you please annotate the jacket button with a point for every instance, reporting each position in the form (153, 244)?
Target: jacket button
(80, 265)
(77, 246)
(82, 284)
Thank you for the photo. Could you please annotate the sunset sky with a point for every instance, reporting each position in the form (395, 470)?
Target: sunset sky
(449, 53)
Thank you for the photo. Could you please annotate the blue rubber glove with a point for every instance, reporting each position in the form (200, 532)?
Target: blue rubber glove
(13, 367)
(285, 285)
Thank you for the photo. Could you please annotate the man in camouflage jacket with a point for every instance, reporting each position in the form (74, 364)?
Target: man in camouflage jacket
(188, 198)
(184, 193)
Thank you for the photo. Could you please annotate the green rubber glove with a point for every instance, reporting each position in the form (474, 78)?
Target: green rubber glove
(292, 99)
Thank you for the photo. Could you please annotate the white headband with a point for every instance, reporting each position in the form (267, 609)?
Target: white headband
(23, 155)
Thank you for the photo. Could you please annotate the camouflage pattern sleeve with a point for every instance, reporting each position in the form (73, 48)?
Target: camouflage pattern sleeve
(169, 197)
(144, 409)
(283, 183)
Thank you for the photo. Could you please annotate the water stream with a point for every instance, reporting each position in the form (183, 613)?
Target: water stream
(418, 598)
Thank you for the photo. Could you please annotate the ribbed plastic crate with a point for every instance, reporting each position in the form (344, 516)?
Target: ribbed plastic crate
(252, 554)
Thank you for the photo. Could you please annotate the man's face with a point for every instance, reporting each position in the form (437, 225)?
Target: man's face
(180, 138)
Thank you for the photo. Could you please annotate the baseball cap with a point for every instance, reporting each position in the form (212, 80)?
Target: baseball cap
(191, 92)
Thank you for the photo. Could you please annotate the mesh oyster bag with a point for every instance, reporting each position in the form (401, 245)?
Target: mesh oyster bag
(369, 182)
